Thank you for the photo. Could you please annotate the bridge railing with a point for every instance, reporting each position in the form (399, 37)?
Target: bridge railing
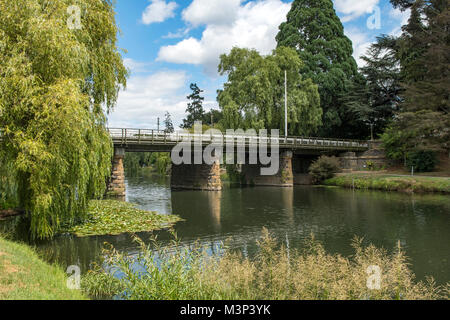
(133, 136)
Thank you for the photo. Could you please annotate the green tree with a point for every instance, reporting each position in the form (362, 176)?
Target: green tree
(315, 31)
(194, 109)
(253, 96)
(423, 54)
(55, 83)
(375, 100)
(168, 123)
(213, 117)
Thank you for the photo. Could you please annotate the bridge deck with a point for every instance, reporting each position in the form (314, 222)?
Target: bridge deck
(154, 140)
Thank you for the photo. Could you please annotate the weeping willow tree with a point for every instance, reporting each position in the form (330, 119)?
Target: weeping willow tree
(253, 97)
(60, 74)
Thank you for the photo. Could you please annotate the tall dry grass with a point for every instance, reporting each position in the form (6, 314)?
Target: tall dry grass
(176, 273)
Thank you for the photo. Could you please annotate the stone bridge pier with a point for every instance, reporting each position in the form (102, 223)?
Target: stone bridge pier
(204, 177)
(116, 185)
(251, 173)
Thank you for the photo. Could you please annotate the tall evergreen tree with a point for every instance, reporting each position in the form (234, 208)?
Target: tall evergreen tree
(168, 123)
(315, 31)
(194, 109)
(376, 100)
(423, 51)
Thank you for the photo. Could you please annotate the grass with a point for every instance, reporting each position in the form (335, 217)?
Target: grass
(24, 276)
(177, 273)
(112, 217)
(387, 182)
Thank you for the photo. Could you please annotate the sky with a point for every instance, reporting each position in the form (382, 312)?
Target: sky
(169, 44)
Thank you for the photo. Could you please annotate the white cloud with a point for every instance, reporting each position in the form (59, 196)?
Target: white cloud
(158, 11)
(360, 44)
(149, 97)
(135, 66)
(354, 9)
(402, 16)
(211, 12)
(250, 25)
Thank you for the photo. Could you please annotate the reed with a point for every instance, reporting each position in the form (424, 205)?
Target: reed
(178, 273)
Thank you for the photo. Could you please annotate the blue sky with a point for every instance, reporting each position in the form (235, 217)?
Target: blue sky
(172, 43)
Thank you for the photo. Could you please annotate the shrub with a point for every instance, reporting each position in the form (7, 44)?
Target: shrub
(324, 168)
(422, 160)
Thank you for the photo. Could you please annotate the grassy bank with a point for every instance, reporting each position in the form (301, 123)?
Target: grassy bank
(111, 217)
(24, 276)
(386, 182)
(274, 274)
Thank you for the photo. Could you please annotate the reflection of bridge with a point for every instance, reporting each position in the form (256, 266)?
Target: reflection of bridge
(296, 155)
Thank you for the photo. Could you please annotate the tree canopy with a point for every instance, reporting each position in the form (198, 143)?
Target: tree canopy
(314, 30)
(56, 82)
(253, 96)
(423, 53)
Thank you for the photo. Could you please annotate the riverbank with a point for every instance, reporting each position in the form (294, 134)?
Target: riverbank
(112, 217)
(391, 182)
(24, 276)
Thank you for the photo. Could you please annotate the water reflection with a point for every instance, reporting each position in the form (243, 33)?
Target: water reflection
(236, 216)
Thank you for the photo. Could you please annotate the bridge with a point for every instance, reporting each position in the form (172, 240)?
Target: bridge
(148, 140)
(296, 155)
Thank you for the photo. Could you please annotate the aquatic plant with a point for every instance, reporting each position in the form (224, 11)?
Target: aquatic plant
(112, 217)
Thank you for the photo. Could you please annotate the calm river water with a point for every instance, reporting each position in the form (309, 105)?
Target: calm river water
(335, 216)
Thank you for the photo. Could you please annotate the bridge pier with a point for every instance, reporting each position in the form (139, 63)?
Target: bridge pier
(116, 186)
(196, 177)
(251, 173)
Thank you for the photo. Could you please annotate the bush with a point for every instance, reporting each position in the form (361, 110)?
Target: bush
(324, 168)
(422, 160)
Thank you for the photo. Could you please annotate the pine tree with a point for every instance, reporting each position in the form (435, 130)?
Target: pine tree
(168, 123)
(194, 109)
(423, 51)
(315, 31)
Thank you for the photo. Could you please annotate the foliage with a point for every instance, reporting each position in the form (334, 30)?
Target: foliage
(54, 84)
(212, 118)
(315, 31)
(421, 130)
(253, 96)
(377, 99)
(422, 160)
(112, 217)
(163, 162)
(194, 109)
(168, 123)
(422, 52)
(392, 183)
(24, 276)
(275, 273)
(135, 161)
(324, 168)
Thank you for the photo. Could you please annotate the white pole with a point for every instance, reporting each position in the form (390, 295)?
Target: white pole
(285, 105)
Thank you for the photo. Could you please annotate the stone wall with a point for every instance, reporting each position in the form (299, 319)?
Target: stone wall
(196, 177)
(284, 177)
(373, 159)
(116, 185)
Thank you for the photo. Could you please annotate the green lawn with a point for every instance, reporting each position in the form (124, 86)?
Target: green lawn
(389, 182)
(24, 276)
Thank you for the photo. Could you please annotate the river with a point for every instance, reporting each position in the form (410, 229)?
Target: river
(421, 223)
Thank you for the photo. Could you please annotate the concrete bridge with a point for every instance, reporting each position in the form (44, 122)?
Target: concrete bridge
(296, 155)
